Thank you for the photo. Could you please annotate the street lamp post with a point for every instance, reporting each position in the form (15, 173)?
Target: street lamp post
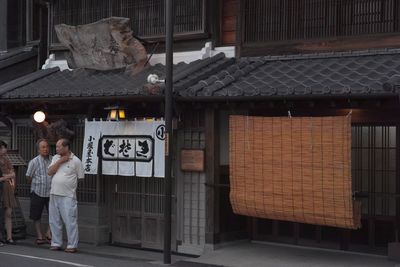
(169, 33)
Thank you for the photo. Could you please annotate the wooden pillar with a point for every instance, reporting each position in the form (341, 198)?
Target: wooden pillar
(371, 233)
(212, 176)
(345, 239)
(318, 233)
(397, 225)
(239, 28)
(3, 25)
(296, 233)
(252, 228)
(275, 229)
(213, 16)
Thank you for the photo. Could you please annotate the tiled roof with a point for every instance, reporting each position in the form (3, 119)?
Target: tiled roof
(53, 83)
(340, 74)
(16, 55)
(344, 74)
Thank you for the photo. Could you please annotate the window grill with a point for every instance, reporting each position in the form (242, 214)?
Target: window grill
(374, 161)
(147, 16)
(287, 20)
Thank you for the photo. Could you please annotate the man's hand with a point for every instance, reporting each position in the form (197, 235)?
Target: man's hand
(64, 159)
(54, 168)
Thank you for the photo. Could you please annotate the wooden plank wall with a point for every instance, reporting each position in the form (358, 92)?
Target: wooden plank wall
(229, 17)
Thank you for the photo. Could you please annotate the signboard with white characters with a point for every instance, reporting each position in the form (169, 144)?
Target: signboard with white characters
(127, 148)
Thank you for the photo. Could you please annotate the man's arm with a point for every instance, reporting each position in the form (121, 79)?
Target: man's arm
(80, 170)
(53, 168)
(29, 172)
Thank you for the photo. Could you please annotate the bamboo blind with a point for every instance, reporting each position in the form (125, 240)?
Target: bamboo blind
(293, 169)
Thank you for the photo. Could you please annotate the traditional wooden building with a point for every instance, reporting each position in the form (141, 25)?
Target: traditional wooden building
(308, 58)
(23, 41)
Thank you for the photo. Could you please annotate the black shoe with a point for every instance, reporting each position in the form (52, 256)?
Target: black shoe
(10, 242)
(1, 244)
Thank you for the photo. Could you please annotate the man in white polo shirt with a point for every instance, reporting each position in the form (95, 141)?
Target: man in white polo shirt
(66, 169)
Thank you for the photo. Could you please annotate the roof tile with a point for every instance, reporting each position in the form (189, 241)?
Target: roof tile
(358, 73)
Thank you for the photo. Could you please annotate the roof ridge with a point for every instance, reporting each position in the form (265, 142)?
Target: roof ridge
(198, 65)
(15, 52)
(24, 80)
(16, 56)
(204, 73)
(324, 55)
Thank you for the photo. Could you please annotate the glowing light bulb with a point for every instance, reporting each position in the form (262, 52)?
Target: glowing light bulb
(39, 116)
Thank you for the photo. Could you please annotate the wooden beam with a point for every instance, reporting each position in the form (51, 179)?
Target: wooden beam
(275, 229)
(3, 25)
(318, 233)
(239, 28)
(296, 233)
(345, 239)
(322, 45)
(371, 232)
(397, 222)
(228, 22)
(252, 228)
(214, 15)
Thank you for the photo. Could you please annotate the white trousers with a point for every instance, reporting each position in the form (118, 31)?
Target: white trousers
(63, 209)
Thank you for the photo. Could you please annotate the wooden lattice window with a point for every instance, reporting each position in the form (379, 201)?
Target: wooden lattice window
(287, 20)
(374, 168)
(147, 16)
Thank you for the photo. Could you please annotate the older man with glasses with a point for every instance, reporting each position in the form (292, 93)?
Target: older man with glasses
(66, 169)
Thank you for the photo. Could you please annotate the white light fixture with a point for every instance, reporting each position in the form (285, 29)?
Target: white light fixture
(39, 116)
(153, 79)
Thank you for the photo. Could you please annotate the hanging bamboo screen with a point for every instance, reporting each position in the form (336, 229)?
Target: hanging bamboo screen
(293, 169)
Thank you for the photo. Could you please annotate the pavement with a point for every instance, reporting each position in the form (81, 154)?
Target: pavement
(241, 254)
(256, 254)
(108, 251)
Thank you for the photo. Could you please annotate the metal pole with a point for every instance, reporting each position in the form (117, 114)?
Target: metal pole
(168, 128)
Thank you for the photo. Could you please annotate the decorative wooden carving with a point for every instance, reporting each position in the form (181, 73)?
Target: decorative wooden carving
(103, 45)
